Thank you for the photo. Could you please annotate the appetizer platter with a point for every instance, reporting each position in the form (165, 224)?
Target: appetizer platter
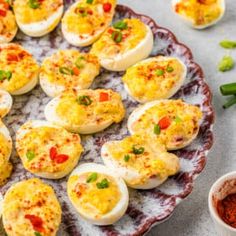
(109, 118)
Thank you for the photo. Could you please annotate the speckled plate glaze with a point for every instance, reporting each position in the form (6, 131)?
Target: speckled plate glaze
(146, 208)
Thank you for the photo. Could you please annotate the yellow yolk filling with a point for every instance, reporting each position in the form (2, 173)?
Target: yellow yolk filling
(26, 15)
(144, 82)
(7, 24)
(87, 18)
(31, 197)
(86, 66)
(97, 112)
(21, 64)
(184, 122)
(148, 164)
(132, 37)
(40, 140)
(89, 198)
(5, 166)
(202, 12)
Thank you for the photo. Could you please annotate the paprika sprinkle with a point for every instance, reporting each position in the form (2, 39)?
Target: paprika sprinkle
(226, 209)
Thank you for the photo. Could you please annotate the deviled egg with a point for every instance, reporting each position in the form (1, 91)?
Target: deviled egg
(8, 26)
(173, 123)
(199, 13)
(154, 78)
(142, 163)
(85, 21)
(123, 44)
(66, 70)
(5, 153)
(18, 69)
(47, 150)
(38, 17)
(85, 111)
(5, 103)
(30, 207)
(98, 194)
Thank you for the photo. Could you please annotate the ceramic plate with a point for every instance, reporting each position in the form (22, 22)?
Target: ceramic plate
(146, 208)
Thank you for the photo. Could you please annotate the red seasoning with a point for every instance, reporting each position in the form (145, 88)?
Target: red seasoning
(227, 210)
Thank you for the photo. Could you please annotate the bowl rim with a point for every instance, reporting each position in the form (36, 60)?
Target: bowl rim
(213, 212)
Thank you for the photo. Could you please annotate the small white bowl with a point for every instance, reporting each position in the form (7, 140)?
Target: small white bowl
(223, 187)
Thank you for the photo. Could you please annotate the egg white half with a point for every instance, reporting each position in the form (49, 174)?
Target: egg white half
(5, 39)
(5, 132)
(1, 204)
(121, 62)
(130, 175)
(138, 112)
(38, 29)
(119, 210)
(5, 102)
(169, 93)
(22, 131)
(75, 39)
(190, 22)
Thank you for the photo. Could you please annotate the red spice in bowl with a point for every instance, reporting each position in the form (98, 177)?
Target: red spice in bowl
(226, 209)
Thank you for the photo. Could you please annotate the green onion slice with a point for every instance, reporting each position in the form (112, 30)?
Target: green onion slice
(121, 25)
(159, 72)
(66, 71)
(89, 1)
(117, 36)
(157, 129)
(5, 75)
(34, 4)
(80, 62)
(169, 69)
(84, 100)
(30, 155)
(103, 184)
(93, 177)
(138, 151)
(126, 158)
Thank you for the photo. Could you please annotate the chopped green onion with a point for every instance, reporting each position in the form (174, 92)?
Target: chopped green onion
(93, 177)
(169, 69)
(120, 25)
(138, 151)
(228, 44)
(103, 184)
(5, 75)
(66, 71)
(126, 158)
(89, 1)
(230, 103)
(159, 72)
(30, 155)
(157, 129)
(84, 100)
(34, 4)
(226, 64)
(79, 63)
(37, 234)
(178, 119)
(117, 36)
(228, 89)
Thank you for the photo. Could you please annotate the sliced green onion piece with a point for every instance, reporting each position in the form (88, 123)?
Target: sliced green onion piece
(178, 119)
(89, 1)
(157, 129)
(84, 100)
(226, 64)
(117, 36)
(159, 72)
(138, 151)
(66, 71)
(34, 4)
(228, 44)
(230, 103)
(169, 69)
(120, 25)
(126, 158)
(103, 184)
(228, 89)
(30, 155)
(79, 63)
(5, 75)
(93, 177)
(37, 234)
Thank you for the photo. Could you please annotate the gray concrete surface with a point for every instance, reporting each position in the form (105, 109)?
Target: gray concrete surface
(192, 217)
